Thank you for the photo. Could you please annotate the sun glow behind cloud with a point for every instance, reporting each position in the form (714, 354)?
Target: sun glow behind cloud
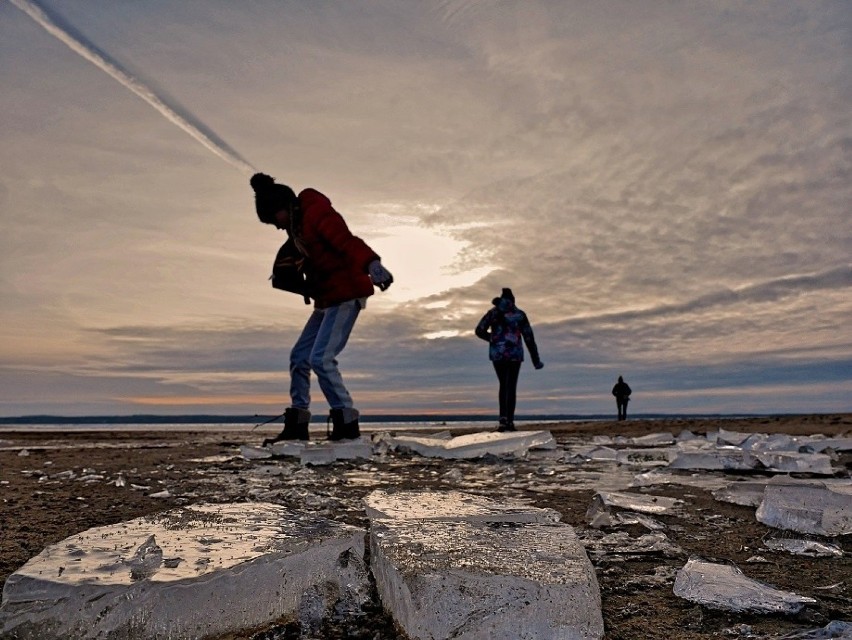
(424, 259)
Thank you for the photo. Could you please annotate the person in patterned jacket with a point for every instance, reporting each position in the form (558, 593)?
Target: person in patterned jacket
(506, 329)
(340, 271)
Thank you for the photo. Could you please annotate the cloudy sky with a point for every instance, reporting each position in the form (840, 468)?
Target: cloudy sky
(665, 186)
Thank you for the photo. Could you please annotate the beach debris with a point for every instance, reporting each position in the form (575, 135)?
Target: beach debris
(91, 477)
(804, 547)
(165, 493)
(724, 586)
(197, 571)
(808, 507)
(516, 574)
(23, 453)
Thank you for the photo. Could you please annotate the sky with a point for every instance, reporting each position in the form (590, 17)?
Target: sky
(666, 187)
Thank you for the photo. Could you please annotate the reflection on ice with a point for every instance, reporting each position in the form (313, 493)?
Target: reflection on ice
(190, 572)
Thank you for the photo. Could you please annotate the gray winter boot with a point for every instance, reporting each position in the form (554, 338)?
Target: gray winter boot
(296, 423)
(344, 424)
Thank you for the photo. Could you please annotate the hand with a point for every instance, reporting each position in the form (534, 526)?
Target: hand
(538, 364)
(380, 276)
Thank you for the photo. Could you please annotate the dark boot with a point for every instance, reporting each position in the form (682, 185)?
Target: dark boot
(506, 425)
(296, 423)
(344, 424)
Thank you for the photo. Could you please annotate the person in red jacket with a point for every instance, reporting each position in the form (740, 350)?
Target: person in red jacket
(340, 270)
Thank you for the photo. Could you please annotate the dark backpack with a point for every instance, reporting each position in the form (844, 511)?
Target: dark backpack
(288, 271)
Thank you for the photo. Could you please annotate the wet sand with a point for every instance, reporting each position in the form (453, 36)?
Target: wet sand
(42, 505)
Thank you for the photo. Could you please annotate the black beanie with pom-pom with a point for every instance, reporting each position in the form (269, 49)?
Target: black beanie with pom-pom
(270, 197)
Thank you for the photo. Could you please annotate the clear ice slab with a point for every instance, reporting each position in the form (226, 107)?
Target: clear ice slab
(476, 445)
(187, 573)
(723, 586)
(815, 507)
(471, 579)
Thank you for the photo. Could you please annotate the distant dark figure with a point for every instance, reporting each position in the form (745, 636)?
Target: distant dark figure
(621, 391)
(506, 329)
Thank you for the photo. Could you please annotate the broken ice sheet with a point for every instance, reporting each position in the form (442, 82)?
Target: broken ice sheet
(600, 513)
(723, 586)
(814, 508)
(621, 543)
(804, 547)
(836, 630)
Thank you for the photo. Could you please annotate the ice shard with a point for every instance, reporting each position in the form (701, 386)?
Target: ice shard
(814, 507)
(600, 513)
(477, 445)
(723, 586)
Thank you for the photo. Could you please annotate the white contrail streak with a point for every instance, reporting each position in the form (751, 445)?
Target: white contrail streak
(102, 61)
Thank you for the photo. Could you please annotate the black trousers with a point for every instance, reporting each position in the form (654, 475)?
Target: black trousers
(507, 373)
(622, 409)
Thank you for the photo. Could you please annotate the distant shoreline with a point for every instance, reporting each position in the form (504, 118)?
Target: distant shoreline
(367, 418)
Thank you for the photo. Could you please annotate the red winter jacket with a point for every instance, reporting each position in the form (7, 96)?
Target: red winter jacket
(336, 261)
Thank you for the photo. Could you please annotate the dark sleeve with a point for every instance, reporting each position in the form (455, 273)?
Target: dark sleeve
(483, 326)
(529, 338)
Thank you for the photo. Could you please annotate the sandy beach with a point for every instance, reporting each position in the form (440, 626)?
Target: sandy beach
(115, 476)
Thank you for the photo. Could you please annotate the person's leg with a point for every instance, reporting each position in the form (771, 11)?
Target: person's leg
(331, 337)
(300, 362)
(513, 371)
(500, 370)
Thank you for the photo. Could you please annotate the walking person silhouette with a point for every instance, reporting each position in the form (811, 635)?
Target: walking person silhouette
(506, 329)
(622, 392)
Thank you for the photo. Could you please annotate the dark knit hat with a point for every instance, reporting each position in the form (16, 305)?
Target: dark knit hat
(269, 197)
(507, 293)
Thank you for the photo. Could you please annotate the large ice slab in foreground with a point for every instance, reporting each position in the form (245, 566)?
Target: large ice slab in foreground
(476, 445)
(722, 586)
(471, 579)
(815, 508)
(187, 573)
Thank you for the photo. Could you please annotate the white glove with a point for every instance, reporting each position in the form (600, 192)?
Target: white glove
(380, 276)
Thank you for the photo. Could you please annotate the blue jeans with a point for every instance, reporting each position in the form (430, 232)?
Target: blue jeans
(323, 338)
